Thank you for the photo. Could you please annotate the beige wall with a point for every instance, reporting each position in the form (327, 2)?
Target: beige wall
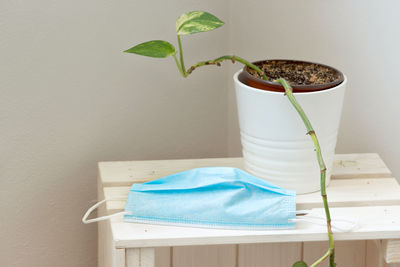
(70, 98)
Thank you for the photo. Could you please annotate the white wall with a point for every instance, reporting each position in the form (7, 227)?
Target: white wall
(362, 38)
(70, 98)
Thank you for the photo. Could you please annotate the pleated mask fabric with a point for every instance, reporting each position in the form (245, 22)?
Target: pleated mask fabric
(212, 197)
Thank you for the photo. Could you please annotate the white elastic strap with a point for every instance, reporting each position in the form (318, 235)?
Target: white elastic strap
(86, 220)
(340, 225)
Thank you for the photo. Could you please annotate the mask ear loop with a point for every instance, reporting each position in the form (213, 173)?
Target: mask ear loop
(340, 225)
(85, 219)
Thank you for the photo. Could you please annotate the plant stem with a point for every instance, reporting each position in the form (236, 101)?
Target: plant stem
(321, 259)
(181, 56)
(218, 61)
(311, 132)
(179, 66)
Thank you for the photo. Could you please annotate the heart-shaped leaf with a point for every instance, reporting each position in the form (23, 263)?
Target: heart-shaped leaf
(156, 48)
(197, 21)
(300, 264)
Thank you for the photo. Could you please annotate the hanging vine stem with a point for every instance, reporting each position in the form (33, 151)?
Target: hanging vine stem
(232, 58)
(310, 131)
(217, 61)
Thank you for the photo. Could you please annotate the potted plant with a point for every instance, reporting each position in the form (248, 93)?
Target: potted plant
(275, 147)
(273, 130)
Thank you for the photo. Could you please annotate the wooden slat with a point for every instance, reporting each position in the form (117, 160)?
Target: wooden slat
(391, 250)
(344, 190)
(163, 256)
(124, 173)
(201, 256)
(269, 255)
(380, 222)
(128, 172)
(355, 192)
(373, 255)
(341, 192)
(118, 257)
(365, 165)
(140, 257)
(347, 253)
(133, 257)
(105, 241)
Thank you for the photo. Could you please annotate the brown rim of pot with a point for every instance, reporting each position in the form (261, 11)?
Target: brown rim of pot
(255, 82)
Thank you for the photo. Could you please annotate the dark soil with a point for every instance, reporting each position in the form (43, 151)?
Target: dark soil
(296, 73)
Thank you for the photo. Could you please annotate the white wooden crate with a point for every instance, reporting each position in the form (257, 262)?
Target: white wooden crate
(361, 186)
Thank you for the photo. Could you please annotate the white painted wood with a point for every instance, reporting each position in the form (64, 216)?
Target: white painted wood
(147, 257)
(105, 252)
(378, 222)
(355, 192)
(101, 230)
(341, 192)
(365, 165)
(391, 250)
(159, 257)
(201, 256)
(105, 240)
(140, 257)
(347, 253)
(269, 255)
(124, 173)
(118, 257)
(133, 257)
(162, 255)
(344, 190)
(128, 172)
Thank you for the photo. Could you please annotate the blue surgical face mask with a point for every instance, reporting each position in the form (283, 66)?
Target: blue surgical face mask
(216, 197)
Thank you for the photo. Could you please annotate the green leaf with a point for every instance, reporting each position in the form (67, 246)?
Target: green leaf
(156, 48)
(197, 21)
(300, 264)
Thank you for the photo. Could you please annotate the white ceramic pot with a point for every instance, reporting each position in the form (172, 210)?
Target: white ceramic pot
(274, 141)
